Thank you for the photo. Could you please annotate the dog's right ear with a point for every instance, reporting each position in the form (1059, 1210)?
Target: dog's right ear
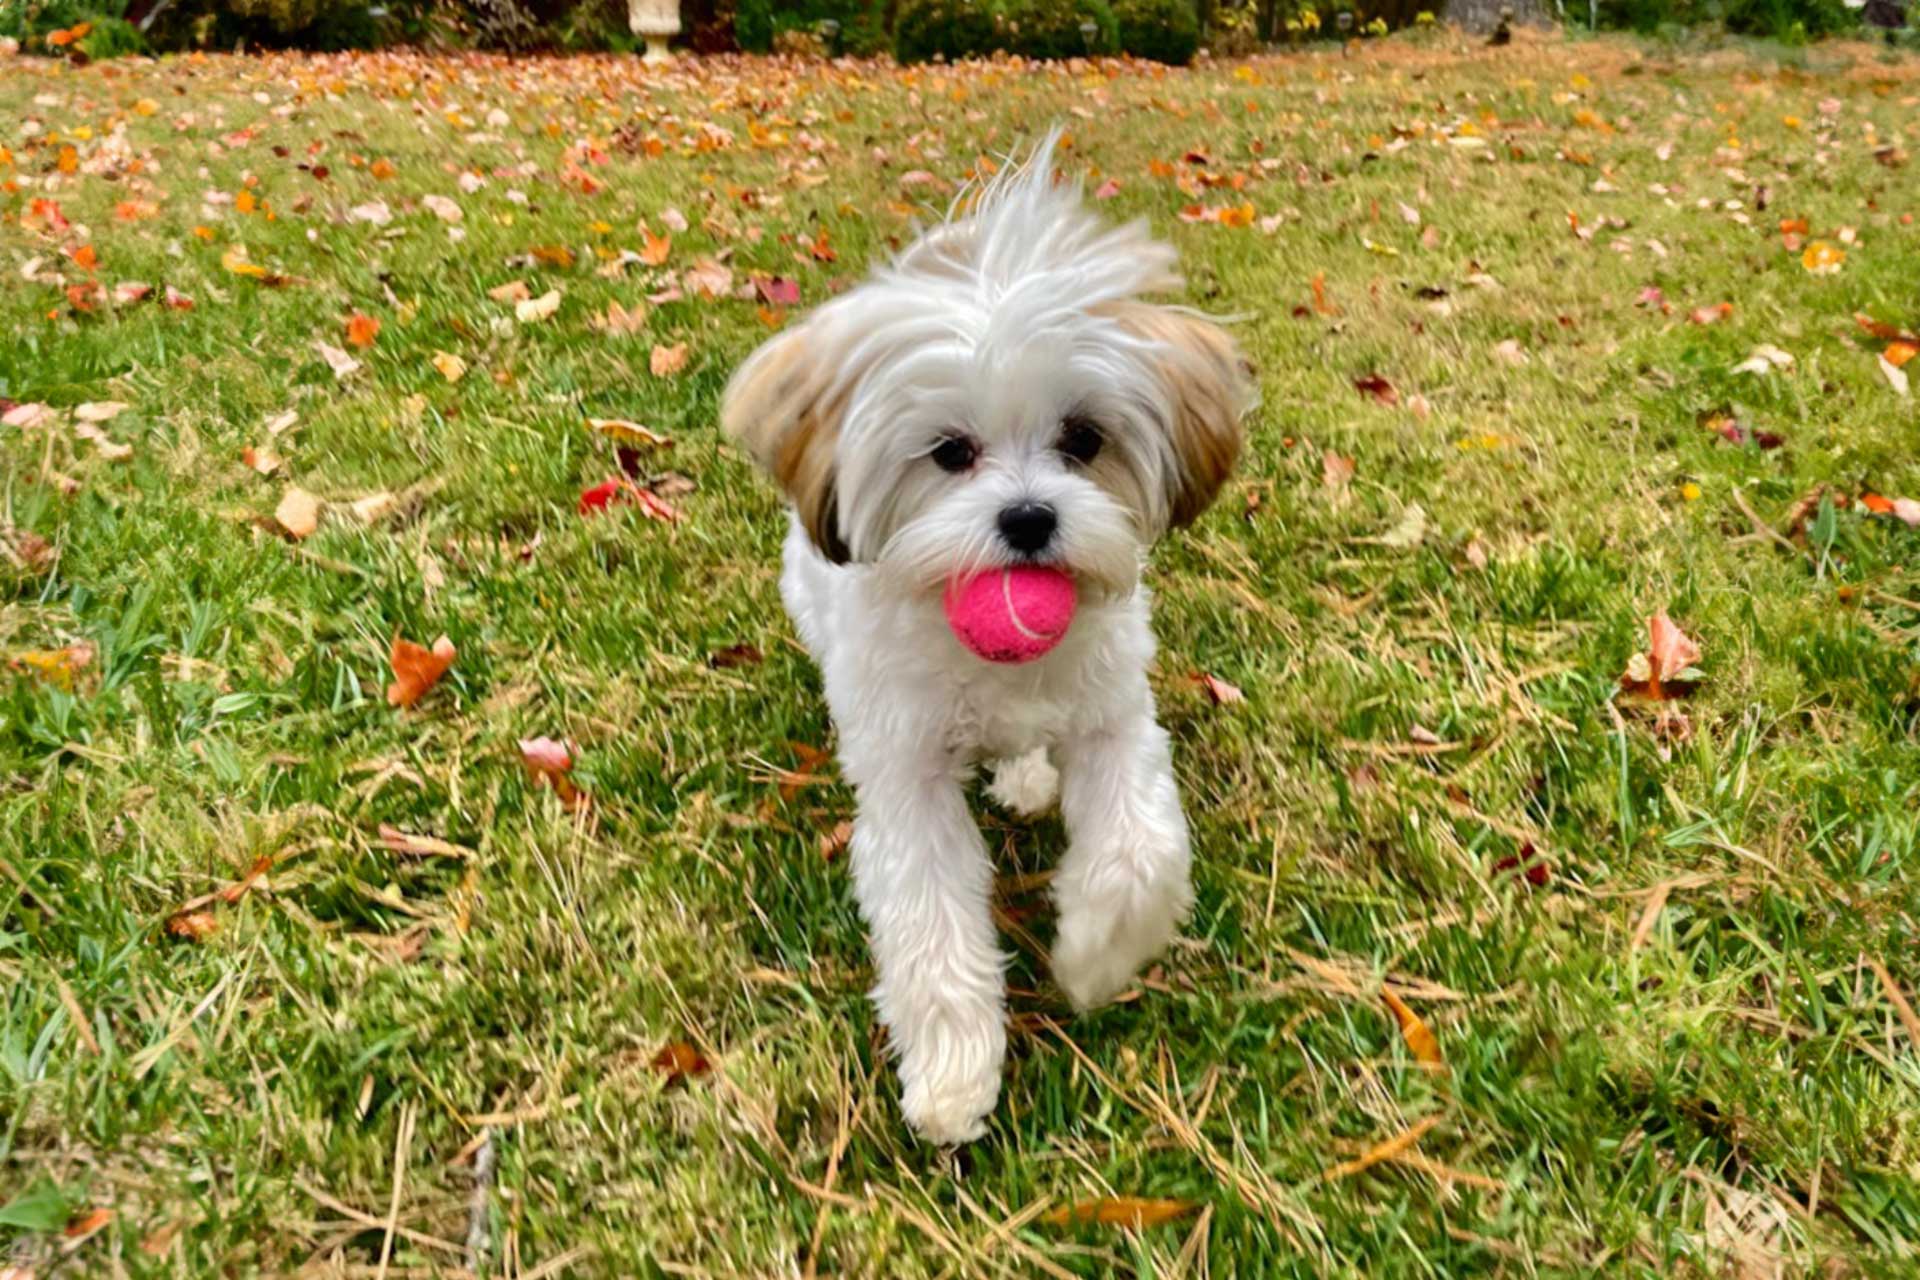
(783, 406)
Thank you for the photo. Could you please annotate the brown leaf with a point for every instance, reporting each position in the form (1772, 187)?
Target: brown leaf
(1119, 1211)
(416, 669)
(194, 926)
(834, 843)
(622, 321)
(1378, 387)
(735, 655)
(298, 514)
(89, 1222)
(1421, 1042)
(678, 1060)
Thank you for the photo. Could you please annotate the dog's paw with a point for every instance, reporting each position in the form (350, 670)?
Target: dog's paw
(1027, 785)
(948, 1102)
(1098, 951)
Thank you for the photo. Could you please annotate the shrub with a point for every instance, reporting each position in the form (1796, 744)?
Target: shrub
(863, 27)
(104, 33)
(1793, 20)
(1163, 30)
(1051, 28)
(924, 29)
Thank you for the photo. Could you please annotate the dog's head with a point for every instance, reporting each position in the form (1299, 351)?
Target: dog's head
(1000, 394)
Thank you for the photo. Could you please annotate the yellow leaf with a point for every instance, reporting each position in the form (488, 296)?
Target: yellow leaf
(1119, 1211)
(235, 260)
(57, 667)
(1421, 1041)
(451, 366)
(1823, 259)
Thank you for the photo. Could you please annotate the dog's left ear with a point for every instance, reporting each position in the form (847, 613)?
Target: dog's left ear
(1209, 386)
(783, 407)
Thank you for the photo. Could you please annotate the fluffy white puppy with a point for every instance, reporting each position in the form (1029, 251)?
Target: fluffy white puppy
(999, 394)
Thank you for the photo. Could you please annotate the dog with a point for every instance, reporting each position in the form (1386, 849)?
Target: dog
(1001, 393)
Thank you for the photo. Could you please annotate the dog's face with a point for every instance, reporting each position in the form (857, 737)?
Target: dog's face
(999, 395)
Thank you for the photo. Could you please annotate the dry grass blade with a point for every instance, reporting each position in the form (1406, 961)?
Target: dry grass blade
(1120, 1211)
(1897, 998)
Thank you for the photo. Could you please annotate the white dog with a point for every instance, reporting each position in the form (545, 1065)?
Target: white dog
(997, 395)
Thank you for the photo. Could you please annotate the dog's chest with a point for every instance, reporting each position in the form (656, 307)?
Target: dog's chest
(990, 723)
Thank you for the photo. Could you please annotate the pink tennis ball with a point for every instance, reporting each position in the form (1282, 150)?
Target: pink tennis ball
(1011, 615)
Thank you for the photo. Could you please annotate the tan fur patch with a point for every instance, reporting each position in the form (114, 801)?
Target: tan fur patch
(1212, 389)
(776, 406)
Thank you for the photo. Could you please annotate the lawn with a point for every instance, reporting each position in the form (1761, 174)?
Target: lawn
(1552, 339)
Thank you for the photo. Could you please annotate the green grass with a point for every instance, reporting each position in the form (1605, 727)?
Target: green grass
(1735, 1091)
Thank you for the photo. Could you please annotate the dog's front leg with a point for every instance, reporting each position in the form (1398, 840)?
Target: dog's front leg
(1122, 888)
(923, 879)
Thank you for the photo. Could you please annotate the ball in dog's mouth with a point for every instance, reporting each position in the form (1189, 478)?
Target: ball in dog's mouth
(1015, 614)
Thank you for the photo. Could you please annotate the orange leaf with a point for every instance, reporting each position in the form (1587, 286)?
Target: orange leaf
(1119, 1211)
(1222, 693)
(1421, 1042)
(1898, 353)
(88, 1223)
(1876, 504)
(383, 169)
(416, 669)
(658, 247)
(85, 257)
(677, 1060)
(552, 760)
(1823, 259)
(69, 161)
(194, 926)
(1669, 649)
(362, 329)
(245, 202)
(1392, 1149)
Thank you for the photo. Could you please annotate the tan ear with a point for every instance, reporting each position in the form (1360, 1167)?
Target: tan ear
(783, 409)
(1212, 389)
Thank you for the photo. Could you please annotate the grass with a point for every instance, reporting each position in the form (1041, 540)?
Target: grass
(1672, 1057)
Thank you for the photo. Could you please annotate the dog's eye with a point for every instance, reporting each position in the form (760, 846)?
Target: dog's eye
(954, 454)
(1080, 440)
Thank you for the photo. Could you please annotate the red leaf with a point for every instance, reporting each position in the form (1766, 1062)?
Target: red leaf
(779, 291)
(1378, 387)
(678, 1060)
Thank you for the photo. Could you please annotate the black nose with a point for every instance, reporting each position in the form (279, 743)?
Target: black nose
(1028, 526)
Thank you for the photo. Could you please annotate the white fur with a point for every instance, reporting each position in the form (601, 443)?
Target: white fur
(998, 323)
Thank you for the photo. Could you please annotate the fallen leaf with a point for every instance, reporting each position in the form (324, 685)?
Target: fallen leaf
(779, 291)
(629, 432)
(87, 1223)
(1378, 388)
(1107, 190)
(100, 411)
(511, 291)
(551, 760)
(26, 416)
(1823, 259)
(442, 208)
(451, 366)
(1899, 352)
(282, 422)
(1335, 470)
(416, 669)
(362, 329)
(678, 1060)
(1896, 376)
(708, 278)
(1119, 1211)
(265, 461)
(1710, 315)
(1393, 1148)
(343, 365)
(1764, 359)
(666, 361)
(1222, 693)
(835, 842)
(374, 212)
(193, 926)
(656, 249)
(176, 300)
(534, 310)
(57, 667)
(1511, 352)
(298, 513)
(673, 219)
(1410, 532)
(622, 321)
(735, 655)
(1421, 1041)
